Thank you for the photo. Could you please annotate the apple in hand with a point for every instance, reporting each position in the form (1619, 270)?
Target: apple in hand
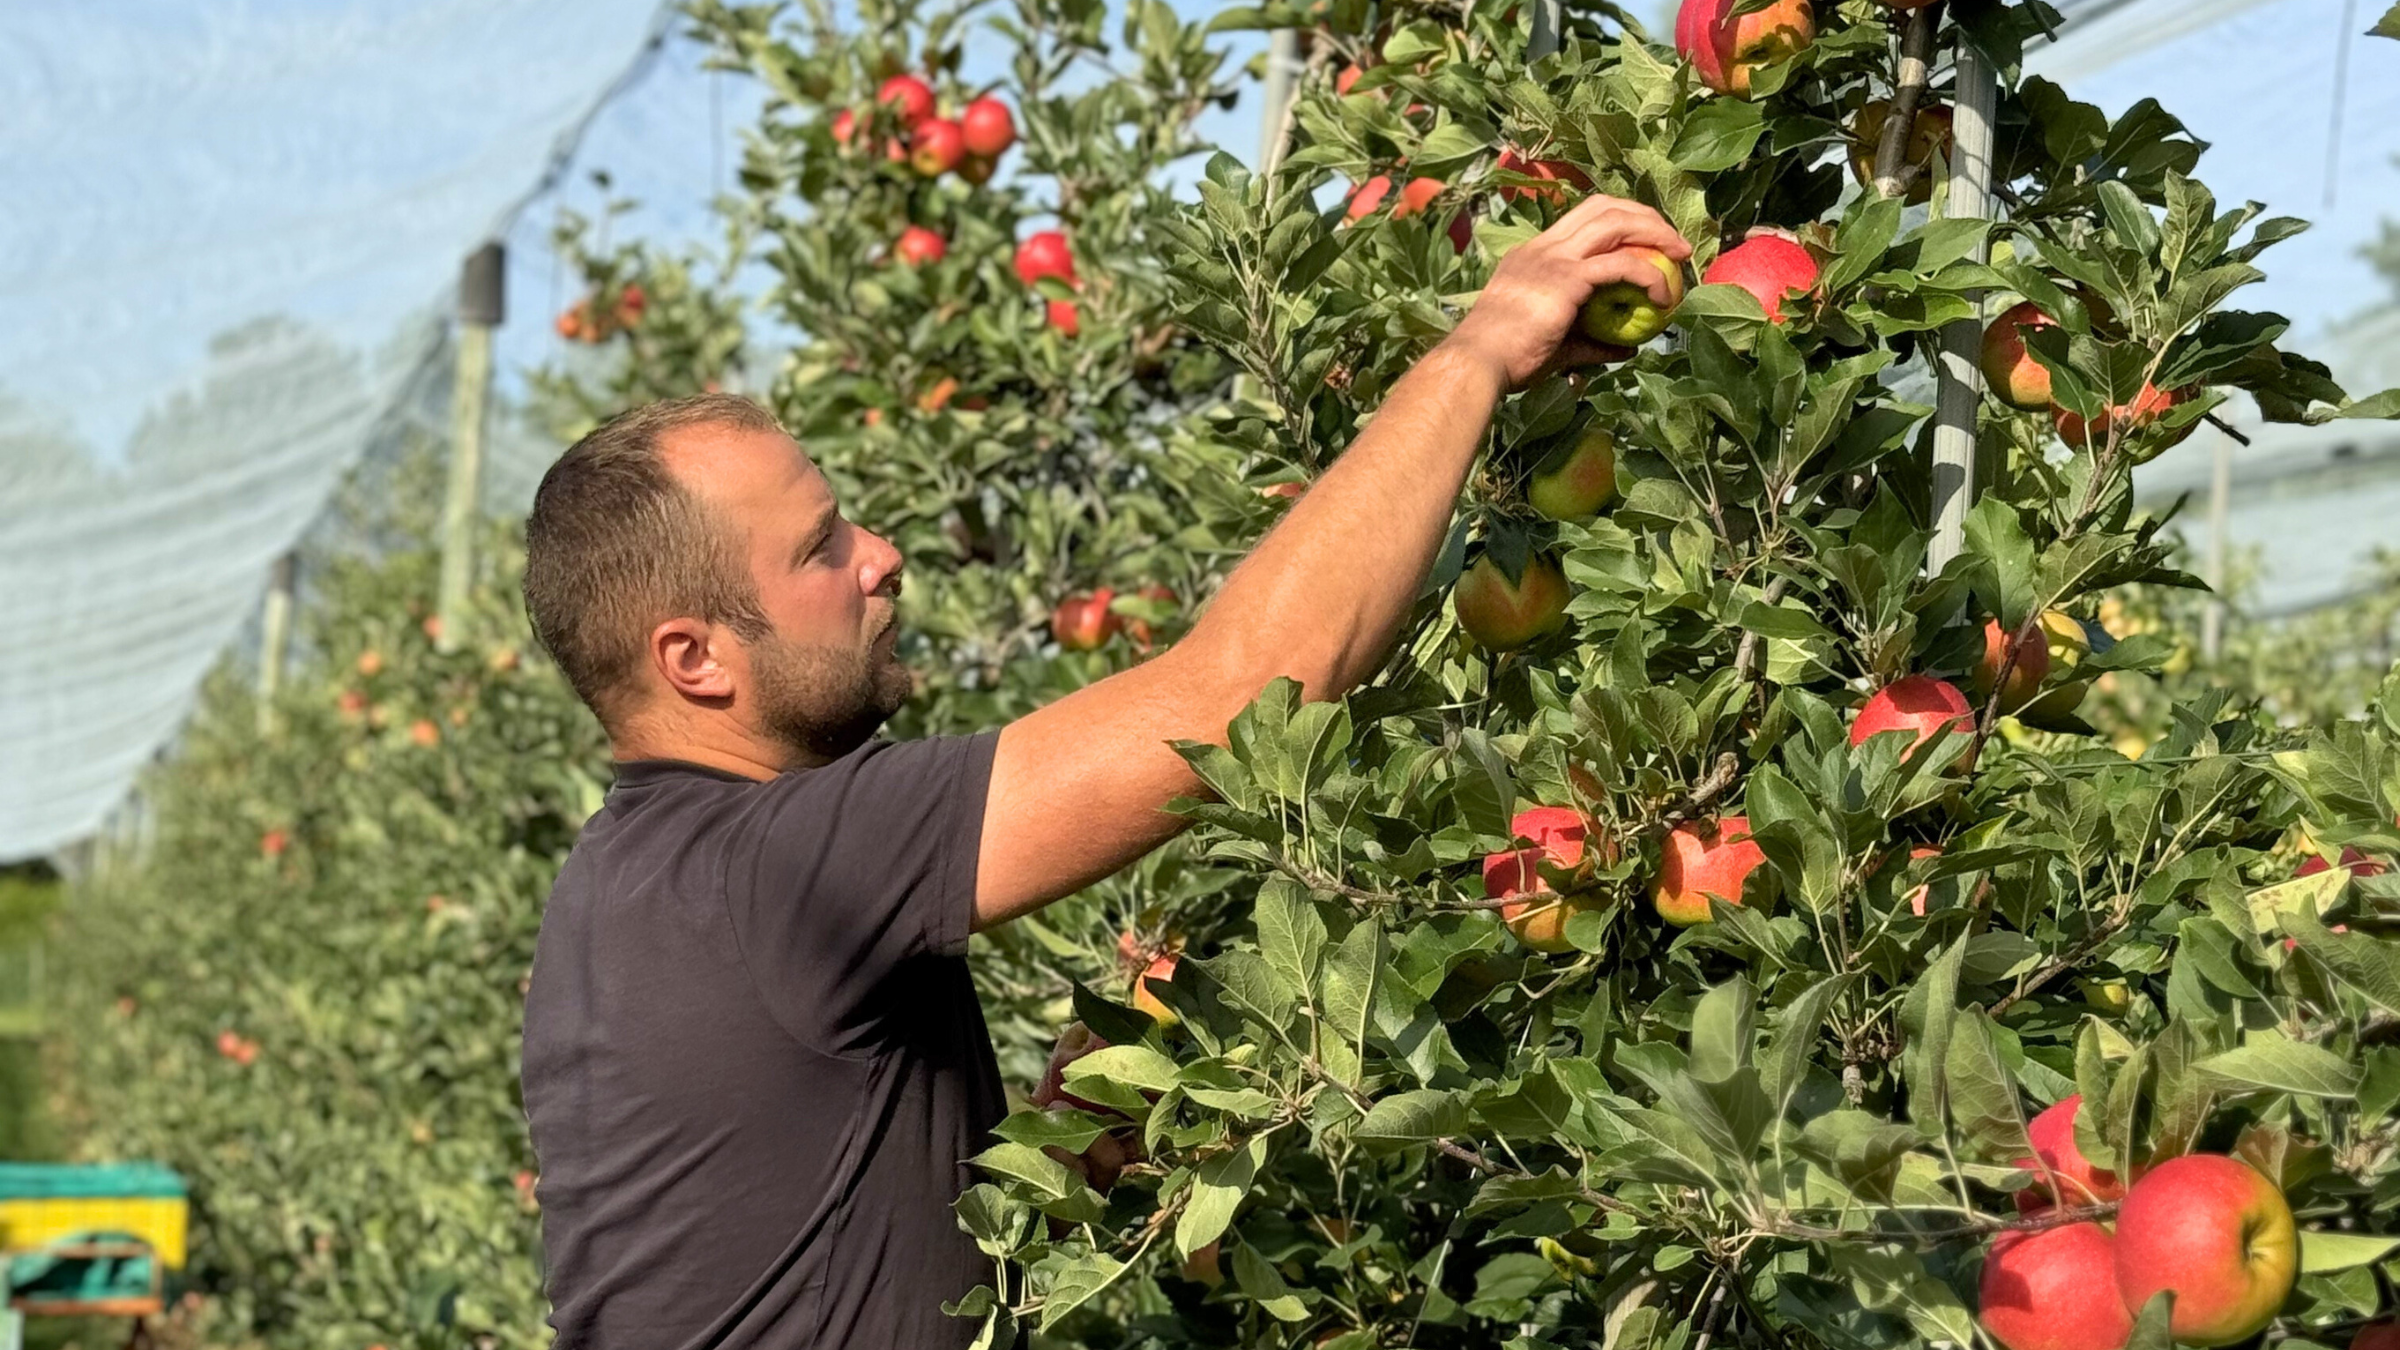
(1074, 1043)
(988, 127)
(1621, 314)
(1769, 267)
(1919, 704)
(2077, 1182)
(1702, 859)
(1503, 615)
(1083, 623)
(1574, 483)
(2025, 677)
(1562, 837)
(1727, 50)
(2054, 1289)
(2219, 1234)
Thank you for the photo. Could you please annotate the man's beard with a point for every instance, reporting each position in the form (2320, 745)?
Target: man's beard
(823, 702)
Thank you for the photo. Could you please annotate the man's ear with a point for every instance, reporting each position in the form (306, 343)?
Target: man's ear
(686, 656)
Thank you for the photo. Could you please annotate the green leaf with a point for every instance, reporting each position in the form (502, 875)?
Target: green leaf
(2322, 1252)
(1412, 1118)
(2387, 26)
(1723, 1026)
(1075, 1282)
(1795, 1041)
(1050, 1178)
(1263, 1284)
(1133, 1066)
(2274, 1064)
(1291, 934)
(1218, 1188)
(1718, 135)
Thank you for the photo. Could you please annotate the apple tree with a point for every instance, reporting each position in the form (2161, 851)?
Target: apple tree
(1678, 943)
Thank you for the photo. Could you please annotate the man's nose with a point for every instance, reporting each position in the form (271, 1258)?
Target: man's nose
(881, 569)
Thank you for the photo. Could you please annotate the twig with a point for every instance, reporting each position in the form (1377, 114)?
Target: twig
(1707, 790)
(1750, 661)
(2222, 425)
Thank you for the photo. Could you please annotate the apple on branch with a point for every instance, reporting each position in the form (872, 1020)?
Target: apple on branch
(1928, 146)
(1919, 704)
(2054, 1289)
(1503, 613)
(1574, 483)
(2064, 1175)
(987, 127)
(1701, 861)
(1727, 50)
(1770, 267)
(1563, 838)
(2220, 1235)
(2025, 675)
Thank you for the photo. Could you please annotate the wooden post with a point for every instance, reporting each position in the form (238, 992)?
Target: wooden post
(1283, 78)
(274, 636)
(480, 310)
(1960, 393)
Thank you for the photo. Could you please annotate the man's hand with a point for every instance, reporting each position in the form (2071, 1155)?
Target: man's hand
(1524, 325)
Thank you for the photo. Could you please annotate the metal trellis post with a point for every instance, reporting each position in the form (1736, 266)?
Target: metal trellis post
(275, 635)
(481, 307)
(1961, 388)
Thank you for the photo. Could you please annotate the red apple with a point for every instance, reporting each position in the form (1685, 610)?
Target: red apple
(2384, 1335)
(2147, 407)
(1161, 969)
(1203, 1266)
(936, 146)
(1559, 836)
(910, 98)
(1348, 77)
(2077, 1182)
(1703, 859)
(1769, 267)
(1416, 197)
(918, 246)
(1502, 615)
(989, 127)
(2216, 1232)
(1044, 254)
(2054, 1289)
(1366, 196)
(1074, 1043)
(1621, 314)
(1727, 50)
(1061, 315)
(1556, 174)
(1929, 139)
(2354, 862)
(1918, 703)
(2025, 677)
(2016, 378)
(1139, 629)
(1574, 483)
(1082, 623)
(845, 125)
(1100, 1164)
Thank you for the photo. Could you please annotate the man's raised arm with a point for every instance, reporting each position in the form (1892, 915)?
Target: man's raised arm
(1077, 788)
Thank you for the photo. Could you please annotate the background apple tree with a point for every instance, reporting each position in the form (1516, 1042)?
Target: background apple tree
(1377, 1116)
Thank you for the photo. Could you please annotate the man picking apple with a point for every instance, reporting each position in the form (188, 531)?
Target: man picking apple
(753, 1059)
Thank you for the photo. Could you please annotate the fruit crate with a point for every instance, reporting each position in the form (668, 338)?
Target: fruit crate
(42, 1204)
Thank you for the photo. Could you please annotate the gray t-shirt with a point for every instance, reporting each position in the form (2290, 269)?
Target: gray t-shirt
(754, 1062)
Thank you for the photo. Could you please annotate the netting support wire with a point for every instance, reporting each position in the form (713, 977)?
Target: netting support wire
(274, 635)
(1961, 389)
(481, 307)
(2220, 547)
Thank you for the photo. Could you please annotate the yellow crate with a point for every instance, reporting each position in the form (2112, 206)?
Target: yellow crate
(160, 1221)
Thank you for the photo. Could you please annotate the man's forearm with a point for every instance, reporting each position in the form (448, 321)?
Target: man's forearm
(1322, 597)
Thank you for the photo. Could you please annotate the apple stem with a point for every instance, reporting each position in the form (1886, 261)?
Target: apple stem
(1916, 74)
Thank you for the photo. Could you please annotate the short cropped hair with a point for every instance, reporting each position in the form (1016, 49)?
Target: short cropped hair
(616, 546)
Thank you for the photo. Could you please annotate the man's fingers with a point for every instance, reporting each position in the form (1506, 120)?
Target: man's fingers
(1610, 268)
(1605, 224)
